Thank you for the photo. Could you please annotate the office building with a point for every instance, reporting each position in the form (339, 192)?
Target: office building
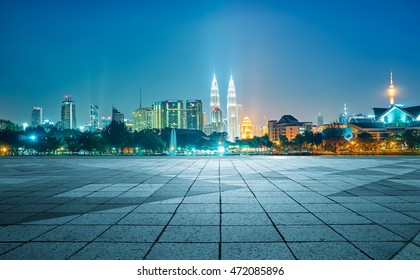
(94, 117)
(142, 118)
(68, 114)
(36, 116)
(117, 116)
(194, 114)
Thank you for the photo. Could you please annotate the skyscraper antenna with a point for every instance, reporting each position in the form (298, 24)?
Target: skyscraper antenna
(391, 78)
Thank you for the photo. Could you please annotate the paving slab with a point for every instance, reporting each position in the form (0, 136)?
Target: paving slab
(229, 207)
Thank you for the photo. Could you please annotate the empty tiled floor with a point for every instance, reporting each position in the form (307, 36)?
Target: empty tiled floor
(209, 208)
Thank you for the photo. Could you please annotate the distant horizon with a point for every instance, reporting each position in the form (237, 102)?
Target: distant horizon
(286, 58)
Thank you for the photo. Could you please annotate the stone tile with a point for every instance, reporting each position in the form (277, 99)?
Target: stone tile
(112, 251)
(114, 208)
(327, 207)
(284, 208)
(22, 232)
(240, 200)
(416, 239)
(244, 234)
(4, 247)
(180, 219)
(122, 233)
(280, 219)
(406, 231)
(390, 218)
(49, 219)
(409, 252)
(256, 251)
(43, 251)
(97, 219)
(199, 208)
(184, 251)
(241, 208)
(366, 207)
(309, 233)
(355, 233)
(343, 218)
(326, 251)
(144, 219)
(380, 250)
(156, 208)
(242, 219)
(191, 234)
(71, 233)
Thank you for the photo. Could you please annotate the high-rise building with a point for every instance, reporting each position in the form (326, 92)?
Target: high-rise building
(68, 113)
(142, 118)
(94, 117)
(343, 118)
(36, 116)
(172, 113)
(232, 112)
(215, 112)
(246, 128)
(157, 115)
(320, 119)
(117, 116)
(194, 109)
(105, 121)
(168, 113)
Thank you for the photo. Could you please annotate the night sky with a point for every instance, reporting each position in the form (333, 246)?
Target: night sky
(287, 57)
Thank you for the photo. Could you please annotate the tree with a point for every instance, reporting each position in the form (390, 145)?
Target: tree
(298, 141)
(116, 135)
(8, 125)
(365, 140)
(333, 136)
(255, 142)
(72, 144)
(411, 138)
(265, 141)
(148, 139)
(11, 139)
(87, 141)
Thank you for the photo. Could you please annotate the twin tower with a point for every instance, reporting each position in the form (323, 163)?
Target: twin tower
(216, 120)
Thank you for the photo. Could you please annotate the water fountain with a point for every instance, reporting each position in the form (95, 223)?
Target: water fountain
(172, 143)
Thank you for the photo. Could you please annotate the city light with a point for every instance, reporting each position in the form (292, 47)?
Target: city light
(221, 150)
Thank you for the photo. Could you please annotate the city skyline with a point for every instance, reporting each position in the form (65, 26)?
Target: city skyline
(287, 58)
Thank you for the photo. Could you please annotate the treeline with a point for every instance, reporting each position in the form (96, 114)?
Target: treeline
(113, 139)
(116, 139)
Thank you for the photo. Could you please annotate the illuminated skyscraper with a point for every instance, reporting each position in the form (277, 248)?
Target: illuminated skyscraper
(246, 129)
(194, 110)
(232, 112)
(94, 117)
(36, 116)
(68, 113)
(142, 118)
(215, 112)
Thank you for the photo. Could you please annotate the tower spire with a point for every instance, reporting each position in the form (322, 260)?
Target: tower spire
(391, 90)
(391, 78)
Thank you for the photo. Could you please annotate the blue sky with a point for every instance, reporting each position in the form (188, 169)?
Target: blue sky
(287, 57)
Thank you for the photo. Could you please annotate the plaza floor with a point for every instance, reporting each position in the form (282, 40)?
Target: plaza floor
(210, 208)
